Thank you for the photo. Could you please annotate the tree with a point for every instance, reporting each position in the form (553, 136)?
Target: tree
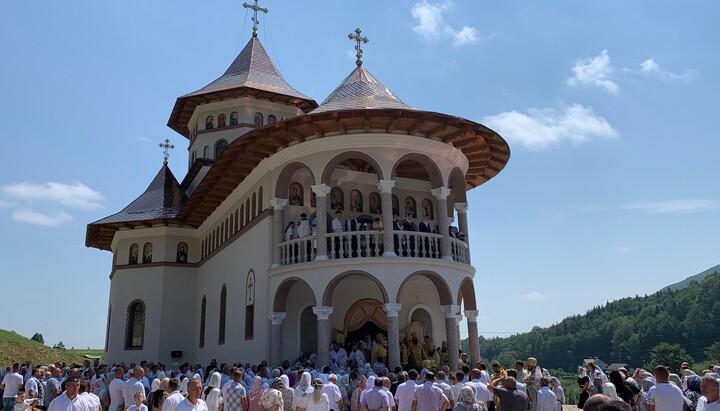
(671, 355)
(713, 351)
(38, 337)
(59, 345)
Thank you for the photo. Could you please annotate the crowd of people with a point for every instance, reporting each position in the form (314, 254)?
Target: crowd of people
(152, 386)
(659, 390)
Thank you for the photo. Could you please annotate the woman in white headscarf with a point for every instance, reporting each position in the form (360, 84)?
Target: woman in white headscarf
(211, 393)
(608, 389)
(466, 400)
(303, 393)
(368, 386)
(559, 393)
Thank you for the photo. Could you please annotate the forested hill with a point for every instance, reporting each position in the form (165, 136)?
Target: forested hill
(695, 278)
(623, 331)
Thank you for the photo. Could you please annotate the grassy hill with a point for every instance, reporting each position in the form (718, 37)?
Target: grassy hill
(16, 348)
(697, 278)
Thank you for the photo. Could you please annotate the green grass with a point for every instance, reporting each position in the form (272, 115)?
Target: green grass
(16, 348)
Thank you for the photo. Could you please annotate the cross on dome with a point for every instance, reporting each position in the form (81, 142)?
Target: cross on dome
(255, 8)
(166, 146)
(359, 40)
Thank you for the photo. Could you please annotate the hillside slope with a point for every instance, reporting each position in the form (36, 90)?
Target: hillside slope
(623, 331)
(695, 278)
(16, 348)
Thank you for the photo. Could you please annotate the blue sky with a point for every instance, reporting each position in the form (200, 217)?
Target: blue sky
(608, 107)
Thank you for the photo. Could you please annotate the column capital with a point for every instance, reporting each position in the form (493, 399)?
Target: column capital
(276, 318)
(471, 315)
(322, 312)
(321, 190)
(392, 309)
(440, 193)
(461, 208)
(278, 203)
(459, 317)
(450, 311)
(386, 186)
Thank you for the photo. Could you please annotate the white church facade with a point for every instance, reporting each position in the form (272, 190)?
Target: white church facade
(212, 267)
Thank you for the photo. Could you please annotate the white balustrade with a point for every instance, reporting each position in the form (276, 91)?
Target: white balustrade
(369, 244)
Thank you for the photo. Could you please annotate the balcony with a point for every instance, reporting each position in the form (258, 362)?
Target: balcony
(369, 244)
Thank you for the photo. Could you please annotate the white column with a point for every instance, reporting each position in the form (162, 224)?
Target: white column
(473, 337)
(461, 209)
(323, 337)
(392, 310)
(441, 194)
(321, 191)
(276, 319)
(450, 312)
(385, 187)
(278, 206)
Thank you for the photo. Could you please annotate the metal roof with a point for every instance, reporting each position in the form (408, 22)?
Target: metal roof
(161, 200)
(252, 68)
(361, 90)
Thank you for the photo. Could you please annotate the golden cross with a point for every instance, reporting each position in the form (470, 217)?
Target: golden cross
(255, 8)
(166, 146)
(358, 39)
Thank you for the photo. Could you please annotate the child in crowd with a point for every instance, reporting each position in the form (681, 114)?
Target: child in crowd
(139, 406)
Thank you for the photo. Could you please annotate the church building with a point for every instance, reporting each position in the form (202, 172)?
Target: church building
(298, 224)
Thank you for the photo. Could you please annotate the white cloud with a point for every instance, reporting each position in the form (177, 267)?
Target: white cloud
(650, 68)
(431, 25)
(143, 139)
(540, 128)
(42, 219)
(466, 35)
(683, 205)
(76, 195)
(622, 248)
(594, 72)
(533, 296)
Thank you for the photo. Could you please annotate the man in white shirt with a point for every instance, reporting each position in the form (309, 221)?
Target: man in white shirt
(193, 401)
(338, 356)
(116, 390)
(91, 398)
(11, 384)
(333, 393)
(70, 400)
(337, 224)
(134, 385)
(546, 399)
(406, 392)
(175, 398)
(664, 396)
(34, 388)
(445, 387)
(52, 386)
(481, 390)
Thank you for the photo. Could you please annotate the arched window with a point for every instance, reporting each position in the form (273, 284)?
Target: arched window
(247, 211)
(203, 311)
(202, 247)
(258, 120)
(242, 216)
(223, 313)
(107, 330)
(221, 120)
(206, 152)
(234, 118)
(271, 119)
(250, 305)
(254, 205)
(193, 157)
(182, 250)
(260, 199)
(147, 253)
(237, 223)
(133, 254)
(135, 326)
(220, 147)
(233, 228)
(227, 229)
(209, 123)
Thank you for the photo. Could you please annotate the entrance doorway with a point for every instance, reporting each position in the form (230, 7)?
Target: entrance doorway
(369, 328)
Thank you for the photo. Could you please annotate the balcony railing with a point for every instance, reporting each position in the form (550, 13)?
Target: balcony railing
(369, 244)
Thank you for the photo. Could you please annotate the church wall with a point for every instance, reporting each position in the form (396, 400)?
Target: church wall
(164, 240)
(230, 266)
(347, 293)
(177, 314)
(424, 295)
(298, 299)
(127, 286)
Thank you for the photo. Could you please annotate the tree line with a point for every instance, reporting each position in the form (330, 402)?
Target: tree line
(624, 331)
